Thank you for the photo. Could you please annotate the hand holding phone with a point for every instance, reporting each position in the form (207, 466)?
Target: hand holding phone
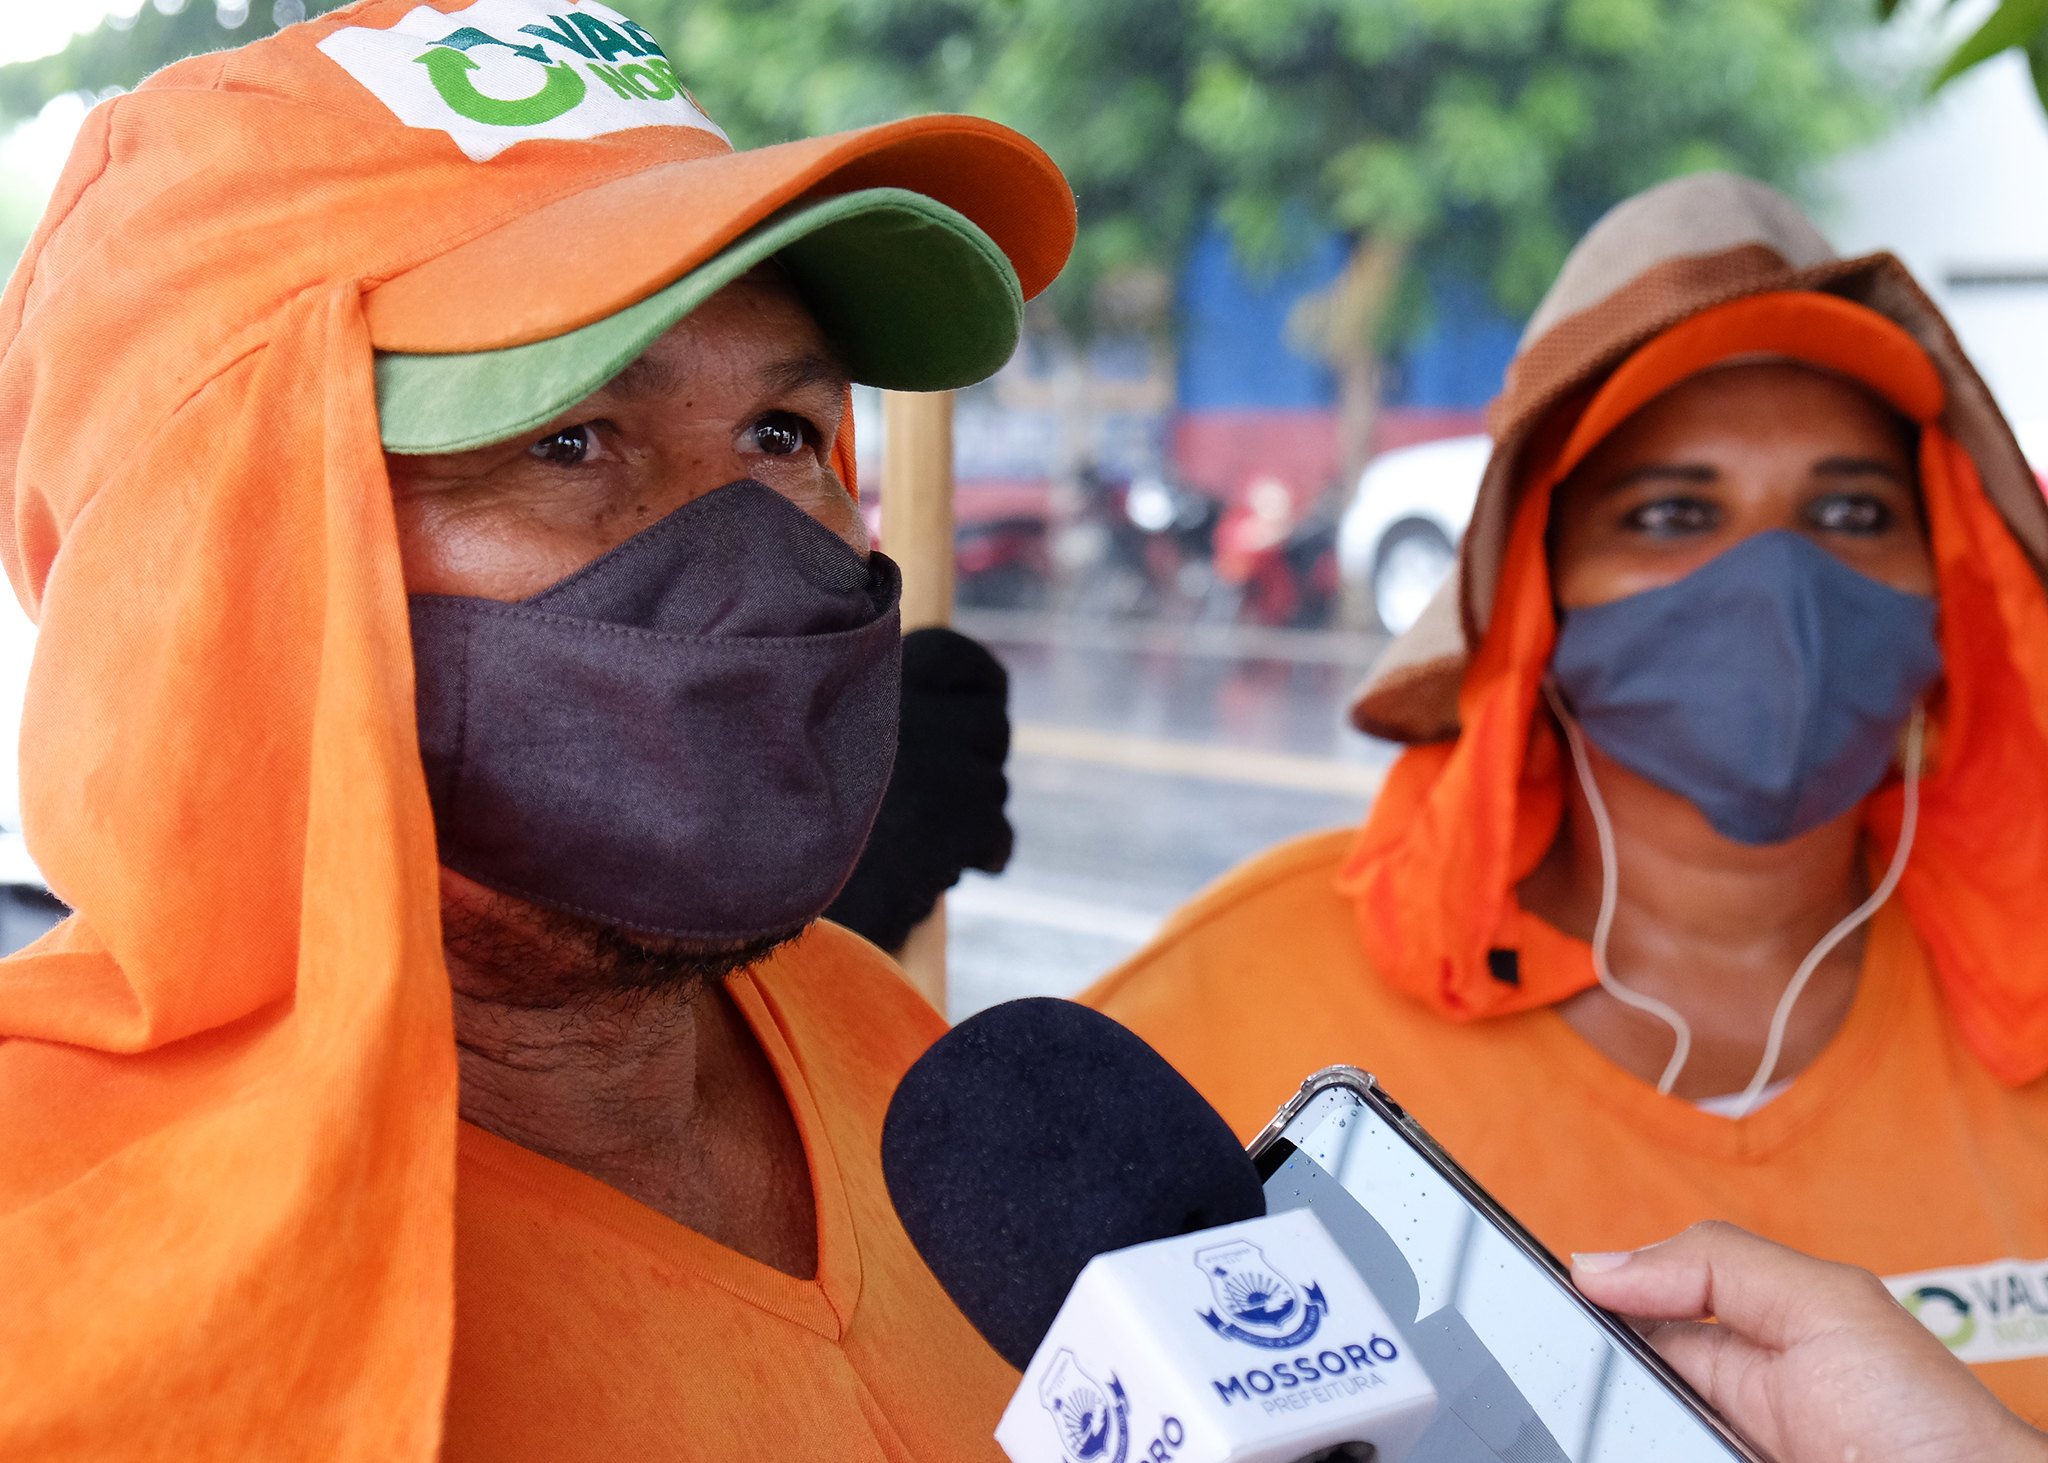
(1814, 1360)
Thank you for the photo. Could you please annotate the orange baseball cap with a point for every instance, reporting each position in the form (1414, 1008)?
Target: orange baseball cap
(590, 179)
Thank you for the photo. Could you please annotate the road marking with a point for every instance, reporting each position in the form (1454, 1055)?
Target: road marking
(995, 899)
(1347, 648)
(1289, 770)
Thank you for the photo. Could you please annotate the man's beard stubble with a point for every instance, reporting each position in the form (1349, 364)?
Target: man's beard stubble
(531, 955)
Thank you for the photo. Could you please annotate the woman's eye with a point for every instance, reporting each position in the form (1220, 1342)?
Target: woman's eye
(781, 433)
(570, 447)
(1858, 513)
(1671, 517)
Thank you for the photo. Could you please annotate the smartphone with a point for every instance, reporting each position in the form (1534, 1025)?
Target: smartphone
(1527, 1369)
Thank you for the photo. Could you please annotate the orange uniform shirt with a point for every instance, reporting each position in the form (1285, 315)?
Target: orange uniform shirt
(1896, 1149)
(588, 1326)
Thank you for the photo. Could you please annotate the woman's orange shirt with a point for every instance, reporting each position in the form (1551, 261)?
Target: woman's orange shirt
(588, 1326)
(1896, 1149)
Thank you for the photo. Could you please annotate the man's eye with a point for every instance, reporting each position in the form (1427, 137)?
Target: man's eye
(1857, 513)
(781, 433)
(1671, 517)
(569, 447)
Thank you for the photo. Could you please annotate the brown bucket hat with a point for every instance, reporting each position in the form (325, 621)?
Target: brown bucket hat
(1649, 263)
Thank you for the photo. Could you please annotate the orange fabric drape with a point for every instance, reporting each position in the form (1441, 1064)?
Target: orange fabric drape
(227, 1161)
(1459, 824)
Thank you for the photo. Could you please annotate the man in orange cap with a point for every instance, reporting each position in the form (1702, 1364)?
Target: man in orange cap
(428, 462)
(1707, 885)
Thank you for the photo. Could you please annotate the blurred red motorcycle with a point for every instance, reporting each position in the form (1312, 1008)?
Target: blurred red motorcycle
(1276, 554)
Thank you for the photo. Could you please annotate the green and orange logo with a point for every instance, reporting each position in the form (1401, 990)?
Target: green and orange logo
(1944, 1313)
(512, 69)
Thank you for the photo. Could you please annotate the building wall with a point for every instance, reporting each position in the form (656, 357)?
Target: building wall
(1960, 193)
(1251, 405)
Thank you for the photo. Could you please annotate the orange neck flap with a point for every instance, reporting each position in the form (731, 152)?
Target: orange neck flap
(1460, 824)
(227, 1172)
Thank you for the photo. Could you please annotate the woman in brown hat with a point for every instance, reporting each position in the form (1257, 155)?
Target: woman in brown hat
(1706, 887)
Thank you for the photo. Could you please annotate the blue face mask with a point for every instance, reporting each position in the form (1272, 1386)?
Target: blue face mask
(1767, 687)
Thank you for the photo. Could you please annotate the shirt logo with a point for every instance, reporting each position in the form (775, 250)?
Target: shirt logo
(1994, 1312)
(1263, 1308)
(1093, 1421)
(503, 71)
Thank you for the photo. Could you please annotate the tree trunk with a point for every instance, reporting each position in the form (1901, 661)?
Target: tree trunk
(1341, 326)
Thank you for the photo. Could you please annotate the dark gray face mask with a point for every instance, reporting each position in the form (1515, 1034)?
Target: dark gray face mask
(1767, 687)
(687, 737)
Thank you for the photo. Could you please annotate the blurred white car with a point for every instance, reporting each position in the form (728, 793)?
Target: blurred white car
(1398, 538)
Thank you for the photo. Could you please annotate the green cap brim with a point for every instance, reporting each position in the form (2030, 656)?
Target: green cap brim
(912, 296)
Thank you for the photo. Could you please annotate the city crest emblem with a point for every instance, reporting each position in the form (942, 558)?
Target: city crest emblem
(1255, 1303)
(1093, 1420)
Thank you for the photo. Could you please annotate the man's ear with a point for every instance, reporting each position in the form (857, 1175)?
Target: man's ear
(842, 449)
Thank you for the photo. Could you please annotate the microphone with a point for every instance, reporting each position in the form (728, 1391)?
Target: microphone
(1037, 1135)
(1102, 1228)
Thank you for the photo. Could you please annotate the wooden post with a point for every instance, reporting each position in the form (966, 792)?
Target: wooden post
(917, 532)
(917, 501)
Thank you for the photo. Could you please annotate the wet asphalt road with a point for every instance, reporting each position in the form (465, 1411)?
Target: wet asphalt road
(1148, 759)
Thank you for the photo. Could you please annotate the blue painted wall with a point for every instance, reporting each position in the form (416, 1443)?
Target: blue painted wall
(1234, 354)
(1460, 362)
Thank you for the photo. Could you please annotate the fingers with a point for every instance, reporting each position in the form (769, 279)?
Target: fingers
(1706, 1355)
(1813, 1359)
(1762, 1292)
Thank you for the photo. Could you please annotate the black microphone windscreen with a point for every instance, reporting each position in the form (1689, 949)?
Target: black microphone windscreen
(1037, 1135)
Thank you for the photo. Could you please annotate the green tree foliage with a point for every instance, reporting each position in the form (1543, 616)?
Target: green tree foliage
(1482, 134)
(1471, 137)
(2015, 25)
(1479, 136)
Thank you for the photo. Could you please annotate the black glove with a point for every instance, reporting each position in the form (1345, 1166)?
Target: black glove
(943, 812)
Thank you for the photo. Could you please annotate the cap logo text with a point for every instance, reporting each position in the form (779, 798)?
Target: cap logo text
(503, 71)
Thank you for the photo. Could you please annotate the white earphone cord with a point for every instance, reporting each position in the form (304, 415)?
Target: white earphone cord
(1681, 1030)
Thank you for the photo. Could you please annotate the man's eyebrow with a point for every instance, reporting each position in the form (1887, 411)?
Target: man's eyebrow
(647, 376)
(794, 373)
(655, 376)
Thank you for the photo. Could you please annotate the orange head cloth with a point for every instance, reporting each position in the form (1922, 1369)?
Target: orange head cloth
(227, 1083)
(1460, 823)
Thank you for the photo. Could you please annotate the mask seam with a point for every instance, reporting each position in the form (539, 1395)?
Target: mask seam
(500, 610)
(610, 920)
(612, 557)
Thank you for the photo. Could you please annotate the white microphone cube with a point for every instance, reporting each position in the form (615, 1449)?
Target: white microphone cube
(1248, 1343)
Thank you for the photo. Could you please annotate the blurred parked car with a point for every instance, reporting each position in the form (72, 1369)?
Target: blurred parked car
(1398, 538)
(1001, 543)
(1002, 563)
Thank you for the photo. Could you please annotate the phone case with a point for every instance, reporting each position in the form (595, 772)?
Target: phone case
(1271, 1148)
